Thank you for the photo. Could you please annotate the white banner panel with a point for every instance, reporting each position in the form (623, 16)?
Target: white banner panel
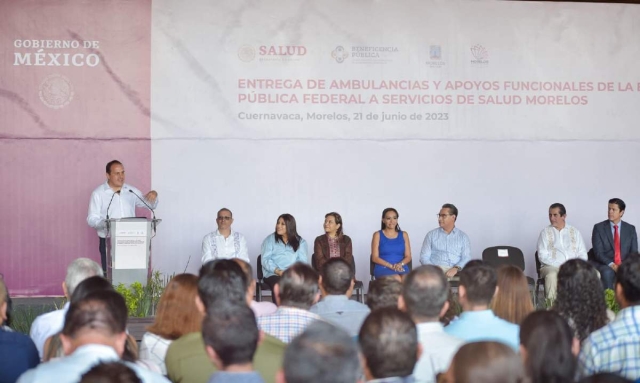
(396, 70)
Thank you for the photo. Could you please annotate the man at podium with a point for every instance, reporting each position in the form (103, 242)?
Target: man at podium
(115, 199)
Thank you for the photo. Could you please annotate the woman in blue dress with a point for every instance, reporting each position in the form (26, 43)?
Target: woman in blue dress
(390, 248)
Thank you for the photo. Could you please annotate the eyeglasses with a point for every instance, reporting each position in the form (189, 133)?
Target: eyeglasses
(224, 218)
(442, 215)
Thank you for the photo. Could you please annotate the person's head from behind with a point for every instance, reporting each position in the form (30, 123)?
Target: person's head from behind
(336, 277)
(177, 313)
(90, 286)
(77, 271)
(484, 362)
(248, 273)
(384, 292)
(99, 318)
(221, 281)
(390, 219)
(110, 372)
(478, 285)
(580, 299)
(424, 294)
(512, 302)
(322, 353)
(628, 281)
(298, 287)
(230, 335)
(548, 348)
(388, 342)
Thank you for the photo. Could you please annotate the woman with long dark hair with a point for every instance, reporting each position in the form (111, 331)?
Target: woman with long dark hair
(390, 248)
(580, 300)
(333, 244)
(282, 249)
(547, 348)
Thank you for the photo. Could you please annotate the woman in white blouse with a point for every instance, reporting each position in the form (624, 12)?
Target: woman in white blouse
(176, 315)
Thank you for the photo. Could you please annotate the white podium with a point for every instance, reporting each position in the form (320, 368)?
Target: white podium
(129, 249)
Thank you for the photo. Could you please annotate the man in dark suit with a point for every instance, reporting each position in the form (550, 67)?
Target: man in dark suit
(612, 241)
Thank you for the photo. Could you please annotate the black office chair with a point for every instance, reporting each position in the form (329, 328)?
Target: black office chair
(514, 256)
(260, 283)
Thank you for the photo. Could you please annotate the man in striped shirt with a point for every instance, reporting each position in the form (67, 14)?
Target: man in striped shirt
(447, 246)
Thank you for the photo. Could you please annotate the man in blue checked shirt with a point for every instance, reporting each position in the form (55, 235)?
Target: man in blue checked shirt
(615, 348)
(447, 246)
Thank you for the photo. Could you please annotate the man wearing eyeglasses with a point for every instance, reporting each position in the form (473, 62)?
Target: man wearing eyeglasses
(447, 246)
(224, 243)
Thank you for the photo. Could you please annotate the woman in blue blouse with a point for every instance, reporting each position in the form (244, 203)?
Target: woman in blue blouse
(281, 250)
(390, 248)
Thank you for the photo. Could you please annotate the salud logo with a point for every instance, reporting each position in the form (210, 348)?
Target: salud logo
(246, 53)
(339, 54)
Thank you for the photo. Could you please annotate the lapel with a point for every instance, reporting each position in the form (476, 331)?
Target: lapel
(606, 226)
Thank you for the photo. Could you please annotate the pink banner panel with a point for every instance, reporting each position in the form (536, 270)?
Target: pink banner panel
(74, 94)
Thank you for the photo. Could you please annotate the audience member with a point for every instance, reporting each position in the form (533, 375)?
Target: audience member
(259, 308)
(110, 372)
(282, 249)
(389, 346)
(390, 246)
(295, 293)
(51, 323)
(53, 345)
(231, 337)
(447, 246)
(548, 348)
(383, 292)
(17, 351)
(512, 301)
(336, 284)
(221, 283)
(176, 315)
(94, 331)
(333, 244)
(424, 298)
(323, 353)
(580, 300)
(612, 241)
(614, 347)
(224, 243)
(557, 243)
(485, 362)
(478, 285)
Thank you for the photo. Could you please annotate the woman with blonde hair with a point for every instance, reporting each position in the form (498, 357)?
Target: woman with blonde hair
(513, 301)
(176, 316)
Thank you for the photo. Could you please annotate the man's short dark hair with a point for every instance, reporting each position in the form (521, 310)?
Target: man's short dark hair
(389, 343)
(621, 205)
(480, 283)
(425, 291)
(560, 206)
(232, 331)
(111, 163)
(453, 210)
(110, 372)
(628, 277)
(337, 275)
(101, 311)
(298, 286)
(222, 281)
(323, 353)
(225, 209)
(384, 292)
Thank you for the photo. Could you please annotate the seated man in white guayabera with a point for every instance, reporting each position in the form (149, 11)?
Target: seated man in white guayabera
(558, 243)
(224, 243)
(51, 323)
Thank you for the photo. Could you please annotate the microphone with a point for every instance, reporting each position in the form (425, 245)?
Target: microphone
(111, 200)
(145, 203)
